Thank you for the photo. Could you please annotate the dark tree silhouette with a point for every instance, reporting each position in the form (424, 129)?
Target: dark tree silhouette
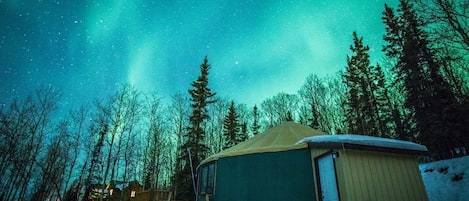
(255, 121)
(367, 107)
(440, 120)
(231, 127)
(201, 96)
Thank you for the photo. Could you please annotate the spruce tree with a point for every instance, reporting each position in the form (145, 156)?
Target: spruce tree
(388, 125)
(255, 124)
(201, 97)
(352, 79)
(439, 118)
(289, 117)
(315, 114)
(243, 134)
(231, 127)
(364, 93)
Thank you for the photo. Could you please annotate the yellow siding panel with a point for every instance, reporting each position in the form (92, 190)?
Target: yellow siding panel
(366, 175)
(360, 171)
(375, 176)
(341, 173)
(383, 170)
(406, 187)
(416, 179)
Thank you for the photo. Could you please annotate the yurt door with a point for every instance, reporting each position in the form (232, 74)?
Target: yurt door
(327, 178)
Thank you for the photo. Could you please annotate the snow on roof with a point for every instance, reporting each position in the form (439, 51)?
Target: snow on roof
(363, 140)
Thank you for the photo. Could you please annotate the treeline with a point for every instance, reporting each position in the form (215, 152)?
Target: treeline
(419, 92)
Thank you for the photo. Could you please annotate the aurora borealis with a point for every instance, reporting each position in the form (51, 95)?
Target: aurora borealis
(87, 49)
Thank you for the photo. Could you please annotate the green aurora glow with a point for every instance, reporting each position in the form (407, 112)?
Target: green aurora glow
(256, 48)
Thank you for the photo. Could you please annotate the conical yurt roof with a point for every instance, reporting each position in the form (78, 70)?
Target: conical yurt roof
(279, 138)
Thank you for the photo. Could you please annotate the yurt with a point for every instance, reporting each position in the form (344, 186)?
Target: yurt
(294, 162)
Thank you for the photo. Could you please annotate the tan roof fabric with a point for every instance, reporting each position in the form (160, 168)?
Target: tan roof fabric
(279, 138)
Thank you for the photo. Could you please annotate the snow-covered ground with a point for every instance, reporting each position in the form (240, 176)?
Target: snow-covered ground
(447, 180)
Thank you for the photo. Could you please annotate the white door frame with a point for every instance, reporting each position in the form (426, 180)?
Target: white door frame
(326, 177)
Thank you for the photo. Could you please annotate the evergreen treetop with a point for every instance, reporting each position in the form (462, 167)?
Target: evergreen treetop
(195, 147)
(231, 127)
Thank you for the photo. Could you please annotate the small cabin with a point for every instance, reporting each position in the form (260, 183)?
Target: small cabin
(129, 193)
(294, 162)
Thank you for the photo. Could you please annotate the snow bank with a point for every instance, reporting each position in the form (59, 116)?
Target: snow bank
(363, 140)
(447, 180)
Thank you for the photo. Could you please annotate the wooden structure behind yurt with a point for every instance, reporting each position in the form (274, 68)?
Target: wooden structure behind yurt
(130, 192)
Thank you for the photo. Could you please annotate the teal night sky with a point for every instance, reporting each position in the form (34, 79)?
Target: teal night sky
(256, 48)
